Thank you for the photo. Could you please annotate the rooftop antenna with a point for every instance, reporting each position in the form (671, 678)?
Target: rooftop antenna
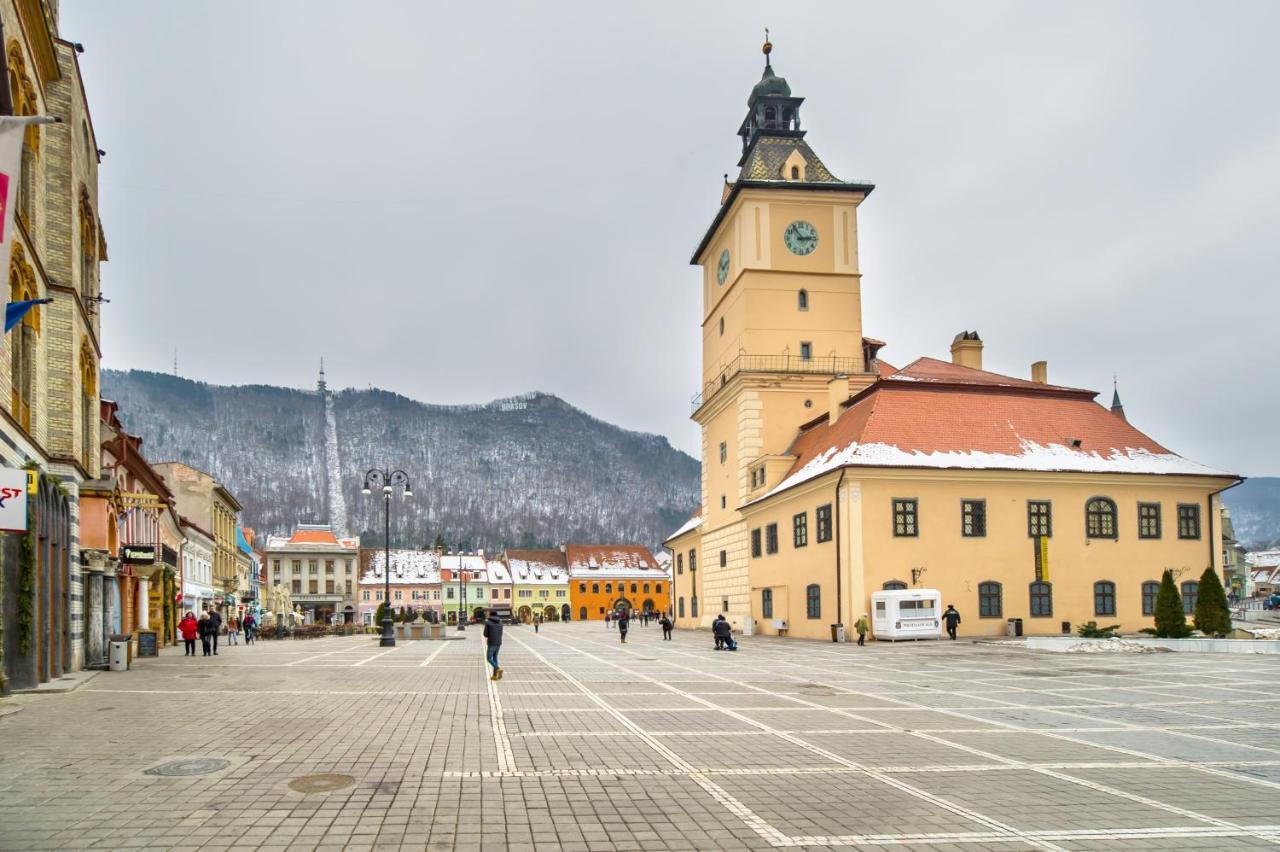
(175, 361)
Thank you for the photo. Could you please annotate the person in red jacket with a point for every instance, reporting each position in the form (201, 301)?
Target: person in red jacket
(189, 627)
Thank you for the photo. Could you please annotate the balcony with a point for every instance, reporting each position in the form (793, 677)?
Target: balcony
(829, 365)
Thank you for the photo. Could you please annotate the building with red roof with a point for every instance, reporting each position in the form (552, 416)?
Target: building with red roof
(828, 475)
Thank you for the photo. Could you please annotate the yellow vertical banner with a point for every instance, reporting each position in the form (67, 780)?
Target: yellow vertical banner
(1042, 551)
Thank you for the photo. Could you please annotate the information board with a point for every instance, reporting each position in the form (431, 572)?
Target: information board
(148, 643)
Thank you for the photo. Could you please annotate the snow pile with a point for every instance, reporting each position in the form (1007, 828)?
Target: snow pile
(1263, 632)
(1111, 646)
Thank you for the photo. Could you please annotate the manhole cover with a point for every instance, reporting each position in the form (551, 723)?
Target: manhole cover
(325, 783)
(189, 766)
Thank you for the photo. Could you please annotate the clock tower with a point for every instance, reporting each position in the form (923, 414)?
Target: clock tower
(782, 340)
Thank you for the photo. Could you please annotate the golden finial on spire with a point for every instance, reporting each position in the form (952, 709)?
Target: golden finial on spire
(768, 45)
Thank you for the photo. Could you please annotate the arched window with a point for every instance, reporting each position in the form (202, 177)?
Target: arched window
(22, 287)
(766, 603)
(1190, 593)
(1041, 600)
(802, 299)
(23, 95)
(795, 173)
(1150, 590)
(770, 116)
(88, 407)
(1104, 598)
(1100, 518)
(813, 600)
(894, 585)
(582, 587)
(693, 606)
(990, 600)
(680, 606)
(582, 613)
(88, 247)
(595, 588)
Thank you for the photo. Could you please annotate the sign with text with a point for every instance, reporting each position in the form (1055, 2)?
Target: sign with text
(1041, 544)
(148, 643)
(138, 554)
(13, 499)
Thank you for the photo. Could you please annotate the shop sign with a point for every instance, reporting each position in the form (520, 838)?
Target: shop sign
(13, 499)
(168, 556)
(138, 554)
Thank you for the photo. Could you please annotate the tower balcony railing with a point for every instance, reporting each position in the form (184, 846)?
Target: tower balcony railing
(743, 363)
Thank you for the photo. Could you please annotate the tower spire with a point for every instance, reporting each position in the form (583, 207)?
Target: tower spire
(320, 385)
(1117, 407)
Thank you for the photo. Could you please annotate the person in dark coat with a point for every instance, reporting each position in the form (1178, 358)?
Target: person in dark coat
(951, 619)
(493, 638)
(206, 630)
(666, 626)
(624, 621)
(190, 629)
(216, 619)
(250, 626)
(723, 631)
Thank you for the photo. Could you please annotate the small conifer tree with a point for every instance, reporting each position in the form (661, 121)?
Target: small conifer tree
(1171, 622)
(1212, 616)
(380, 614)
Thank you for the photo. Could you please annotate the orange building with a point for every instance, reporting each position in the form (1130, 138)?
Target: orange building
(615, 577)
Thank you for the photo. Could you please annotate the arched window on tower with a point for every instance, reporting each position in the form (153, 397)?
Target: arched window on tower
(22, 287)
(88, 406)
(802, 298)
(88, 247)
(770, 116)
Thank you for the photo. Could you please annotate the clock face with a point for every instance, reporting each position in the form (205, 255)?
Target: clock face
(722, 268)
(800, 237)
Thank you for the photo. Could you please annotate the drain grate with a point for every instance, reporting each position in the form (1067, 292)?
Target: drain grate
(189, 766)
(322, 783)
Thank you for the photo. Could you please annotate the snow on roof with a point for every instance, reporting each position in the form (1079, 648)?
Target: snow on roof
(311, 537)
(1263, 558)
(408, 567)
(474, 564)
(536, 567)
(943, 416)
(612, 560)
(693, 523)
(498, 573)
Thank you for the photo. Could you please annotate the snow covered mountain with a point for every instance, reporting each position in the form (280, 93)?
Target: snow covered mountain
(1255, 511)
(531, 471)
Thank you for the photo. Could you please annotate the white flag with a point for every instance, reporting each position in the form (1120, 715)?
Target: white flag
(12, 128)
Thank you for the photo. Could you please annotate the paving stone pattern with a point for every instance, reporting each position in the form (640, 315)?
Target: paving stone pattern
(590, 744)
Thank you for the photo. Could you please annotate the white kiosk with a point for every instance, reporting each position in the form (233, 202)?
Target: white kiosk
(906, 614)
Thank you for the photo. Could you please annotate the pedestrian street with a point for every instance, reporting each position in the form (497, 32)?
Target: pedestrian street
(586, 743)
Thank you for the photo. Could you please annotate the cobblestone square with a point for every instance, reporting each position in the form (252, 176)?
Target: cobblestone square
(590, 744)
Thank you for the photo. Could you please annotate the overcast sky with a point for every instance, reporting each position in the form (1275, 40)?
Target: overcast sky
(466, 201)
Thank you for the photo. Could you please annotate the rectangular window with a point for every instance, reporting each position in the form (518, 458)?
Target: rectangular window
(724, 452)
(771, 538)
(679, 563)
(297, 566)
(1148, 520)
(1149, 592)
(348, 567)
(806, 350)
(904, 518)
(724, 561)
(366, 594)
(314, 587)
(1104, 598)
(823, 516)
(766, 603)
(1041, 600)
(693, 561)
(813, 601)
(276, 563)
(328, 587)
(657, 589)
(313, 566)
(448, 593)
(973, 518)
(328, 566)
(755, 543)
(399, 595)
(990, 600)
(1188, 520)
(800, 530)
(297, 587)
(1039, 518)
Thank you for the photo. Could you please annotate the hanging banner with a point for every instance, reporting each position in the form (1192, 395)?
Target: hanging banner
(12, 131)
(13, 499)
(1041, 545)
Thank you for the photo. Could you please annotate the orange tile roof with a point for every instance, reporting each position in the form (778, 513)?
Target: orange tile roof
(313, 537)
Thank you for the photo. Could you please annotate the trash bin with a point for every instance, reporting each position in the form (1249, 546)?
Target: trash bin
(118, 656)
(1015, 627)
(837, 633)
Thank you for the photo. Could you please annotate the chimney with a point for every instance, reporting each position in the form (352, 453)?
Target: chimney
(1040, 372)
(966, 350)
(837, 393)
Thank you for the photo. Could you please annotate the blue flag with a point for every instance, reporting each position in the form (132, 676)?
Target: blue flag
(15, 311)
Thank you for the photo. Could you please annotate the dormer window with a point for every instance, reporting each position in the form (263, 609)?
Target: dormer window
(795, 173)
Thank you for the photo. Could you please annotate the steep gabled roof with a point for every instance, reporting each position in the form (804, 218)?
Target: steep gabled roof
(613, 560)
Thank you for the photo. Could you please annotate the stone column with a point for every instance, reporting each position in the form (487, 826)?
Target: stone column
(144, 604)
(95, 624)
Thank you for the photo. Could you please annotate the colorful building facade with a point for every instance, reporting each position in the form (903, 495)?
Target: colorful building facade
(540, 584)
(615, 578)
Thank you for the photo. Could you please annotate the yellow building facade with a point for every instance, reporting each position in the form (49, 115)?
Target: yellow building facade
(828, 475)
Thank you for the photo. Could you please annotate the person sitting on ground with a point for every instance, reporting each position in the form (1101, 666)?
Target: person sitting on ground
(723, 632)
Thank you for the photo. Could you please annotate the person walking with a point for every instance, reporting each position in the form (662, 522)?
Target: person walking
(666, 627)
(623, 623)
(215, 619)
(607, 617)
(189, 628)
(537, 622)
(250, 625)
(493, 638)
(205, 629)
(862, 627)
(233, 630)
(951, 618)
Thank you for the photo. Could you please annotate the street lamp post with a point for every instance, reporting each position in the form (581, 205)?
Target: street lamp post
(462, 582)
(387, 480)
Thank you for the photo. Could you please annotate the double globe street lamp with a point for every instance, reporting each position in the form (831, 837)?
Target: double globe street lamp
(387, 480)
